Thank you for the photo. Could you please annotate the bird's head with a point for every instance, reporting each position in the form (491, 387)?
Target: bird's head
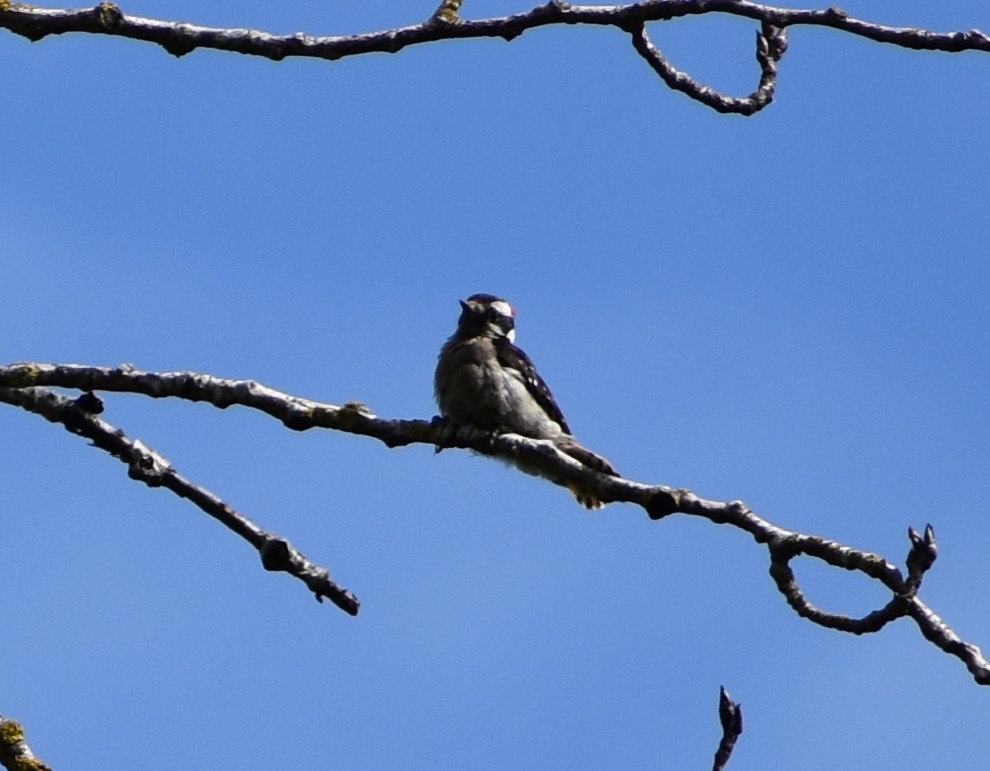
(485, 314)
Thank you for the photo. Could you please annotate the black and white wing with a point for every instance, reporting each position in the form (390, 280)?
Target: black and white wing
(515, 360)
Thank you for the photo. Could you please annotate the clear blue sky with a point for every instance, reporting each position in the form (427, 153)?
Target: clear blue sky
(789, 309)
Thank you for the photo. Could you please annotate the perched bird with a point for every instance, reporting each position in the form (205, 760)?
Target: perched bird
(484, 380)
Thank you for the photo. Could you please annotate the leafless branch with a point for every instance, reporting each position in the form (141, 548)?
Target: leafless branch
(15, 754)
(180, 38)
(730, 716)
(658, 501)
(78, 416)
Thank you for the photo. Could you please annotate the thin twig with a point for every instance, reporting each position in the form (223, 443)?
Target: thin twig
(730, 716)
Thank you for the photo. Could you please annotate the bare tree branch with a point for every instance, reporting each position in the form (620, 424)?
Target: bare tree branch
(658, 501)
(15, 754)
(180, 38)
(145, 465)
(730, 716)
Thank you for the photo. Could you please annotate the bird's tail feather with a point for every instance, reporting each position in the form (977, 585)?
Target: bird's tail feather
(569, 446)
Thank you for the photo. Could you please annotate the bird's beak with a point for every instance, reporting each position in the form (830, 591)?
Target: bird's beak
(464, 305)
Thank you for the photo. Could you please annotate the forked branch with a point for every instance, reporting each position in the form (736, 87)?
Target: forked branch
(25, 385)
